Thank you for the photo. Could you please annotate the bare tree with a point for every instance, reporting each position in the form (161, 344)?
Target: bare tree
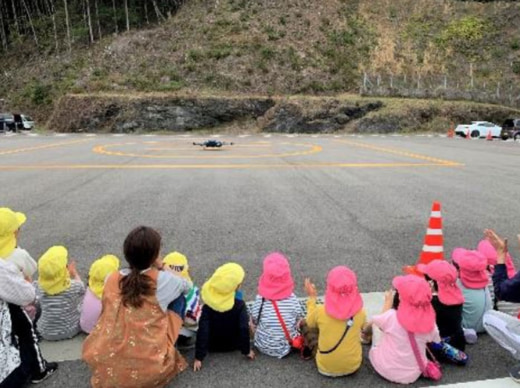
(15, 18)
(2, 30)
(115, 15)
(67, 23)
(127, 18)
(100, 34)
(30, 22)
(52, 10)
(89, 21)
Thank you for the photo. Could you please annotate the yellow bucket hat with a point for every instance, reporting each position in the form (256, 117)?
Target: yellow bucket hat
(10, 222)
(178, 260)
(219, 291)
(53, 274)
(99, 270)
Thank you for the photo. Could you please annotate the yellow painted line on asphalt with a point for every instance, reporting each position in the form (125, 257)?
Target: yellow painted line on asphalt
(42, 147)
(217, 166)
(199, 149)
(312, 149)
(400, 152)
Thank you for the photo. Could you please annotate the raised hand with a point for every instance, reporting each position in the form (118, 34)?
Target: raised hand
(310, 288)
(500, 244)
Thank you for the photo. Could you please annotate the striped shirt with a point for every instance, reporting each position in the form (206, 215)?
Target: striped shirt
(60, 312)
(269, 335)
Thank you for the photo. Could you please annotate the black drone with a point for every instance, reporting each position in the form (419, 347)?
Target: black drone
(212, 144)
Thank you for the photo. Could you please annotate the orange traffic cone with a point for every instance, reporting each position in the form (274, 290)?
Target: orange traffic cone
(451, 131)
(489, 136)
(433, 248)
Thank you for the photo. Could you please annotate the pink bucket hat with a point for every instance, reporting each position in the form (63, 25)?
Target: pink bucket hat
(342, 298)
(276, 281)
(445, 275)
(472, 268)
(491, 255)
(415, 312)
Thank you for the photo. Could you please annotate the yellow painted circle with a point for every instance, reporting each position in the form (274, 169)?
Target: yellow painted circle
(108, 149)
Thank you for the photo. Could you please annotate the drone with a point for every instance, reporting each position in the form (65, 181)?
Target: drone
(212, 144)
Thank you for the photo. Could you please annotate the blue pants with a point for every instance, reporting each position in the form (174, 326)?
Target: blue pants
(178, 306)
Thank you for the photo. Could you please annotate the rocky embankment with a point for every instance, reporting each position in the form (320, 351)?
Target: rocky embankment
(302, 114)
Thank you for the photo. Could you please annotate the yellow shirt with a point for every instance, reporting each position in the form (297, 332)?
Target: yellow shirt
(346, 359)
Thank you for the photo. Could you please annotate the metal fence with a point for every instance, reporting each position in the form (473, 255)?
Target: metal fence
(441, 86)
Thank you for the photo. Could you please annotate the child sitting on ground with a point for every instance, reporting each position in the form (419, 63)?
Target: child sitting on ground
(276, 312)
(91, 307)
(224, 323)
(447, 301)
(485, 247)
(473, 281)
(133, 344)
(339, 322)
(178, 262)
(60, 296)
(406, 322)
(10, 224)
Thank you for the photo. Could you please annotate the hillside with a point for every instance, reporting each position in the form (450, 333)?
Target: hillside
(274, 47)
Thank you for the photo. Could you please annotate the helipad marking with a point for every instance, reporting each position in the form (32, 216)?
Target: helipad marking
(312, 149)
(216, 166)
(41, 147)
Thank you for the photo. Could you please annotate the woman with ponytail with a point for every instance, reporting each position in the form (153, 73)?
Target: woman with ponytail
(133, 344)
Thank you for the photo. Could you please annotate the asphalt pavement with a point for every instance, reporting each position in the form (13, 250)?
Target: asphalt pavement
(361, 201)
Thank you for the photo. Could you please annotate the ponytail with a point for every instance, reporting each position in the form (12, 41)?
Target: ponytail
(134, 287)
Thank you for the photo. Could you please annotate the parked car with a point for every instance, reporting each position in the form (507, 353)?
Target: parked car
(478, 129)
(14, 122)
(26, 121)
(7, 122)
(511, 129)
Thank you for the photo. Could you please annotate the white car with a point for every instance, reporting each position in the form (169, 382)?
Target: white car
(27, 122)
(478, 129)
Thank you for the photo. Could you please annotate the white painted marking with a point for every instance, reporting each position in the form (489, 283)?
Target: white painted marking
(33, 134)
(60, 135)
(91, 135)
(118, 134)
(396, 135)
(491, 383)
(336, 136)
(375, 135)
(314, 136)
(149, 135)
(267, 136)
(242, 136)
(217, 135)
(429, 135)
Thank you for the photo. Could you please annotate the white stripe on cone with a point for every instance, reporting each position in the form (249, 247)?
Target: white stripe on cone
(434, 232)
(432, 249)
(435, 214)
